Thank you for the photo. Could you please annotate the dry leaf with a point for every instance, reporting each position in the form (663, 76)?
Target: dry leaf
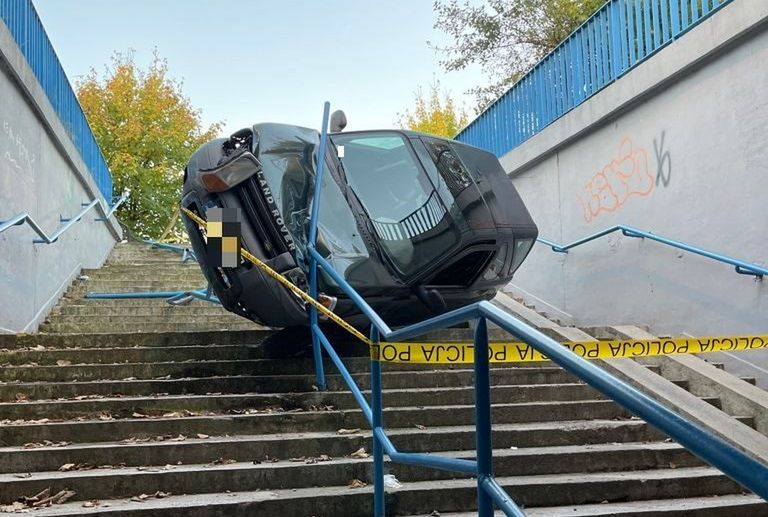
(15, 507)
(356, 483)
(202, 436)
(348, 431)
(143, 497)
(63, 362)
(91, 504)
(419, 426)
(360, 453)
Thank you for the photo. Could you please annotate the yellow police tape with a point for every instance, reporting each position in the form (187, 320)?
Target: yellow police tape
(510, 352)
(516, 352)
(322, 309)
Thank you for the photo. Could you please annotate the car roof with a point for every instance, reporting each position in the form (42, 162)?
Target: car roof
(406, 132)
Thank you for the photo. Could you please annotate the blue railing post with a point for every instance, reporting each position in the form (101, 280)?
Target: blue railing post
(378, 423)
(312, 240)
(483, 418)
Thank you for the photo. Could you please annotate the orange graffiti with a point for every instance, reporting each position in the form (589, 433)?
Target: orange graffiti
(623, 177)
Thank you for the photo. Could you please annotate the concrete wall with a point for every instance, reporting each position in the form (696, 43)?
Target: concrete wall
(41, 173)
(679, 147)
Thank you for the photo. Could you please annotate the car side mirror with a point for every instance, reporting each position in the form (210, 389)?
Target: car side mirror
(338, 121)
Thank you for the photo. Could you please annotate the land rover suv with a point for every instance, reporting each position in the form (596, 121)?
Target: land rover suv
(416, 224)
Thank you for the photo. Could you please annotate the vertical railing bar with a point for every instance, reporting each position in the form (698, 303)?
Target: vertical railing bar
(546, 82)
(594, 53)
(554, 87)
(614, 26)
(665, 12)
(647, 28)
(639, 43)
(579, 53)
(606, 43)
(588, 61)
(675, 17)
(656, 25)
(565, 74)
(557, 84)
(312, 240)
(377, 405)
(539, 100)
(483, 418)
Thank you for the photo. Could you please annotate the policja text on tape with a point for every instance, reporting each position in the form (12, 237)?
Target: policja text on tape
(518, 352)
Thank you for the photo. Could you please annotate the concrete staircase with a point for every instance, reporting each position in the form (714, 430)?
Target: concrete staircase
(137, 267)
(210, 423)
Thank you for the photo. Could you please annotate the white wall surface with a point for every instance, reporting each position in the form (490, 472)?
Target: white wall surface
(686, 159)
(40, 173)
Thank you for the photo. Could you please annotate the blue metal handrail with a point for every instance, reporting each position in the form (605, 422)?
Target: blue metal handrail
(186, 253)
(617, 38)
(172, 297)
(24, 217)
(733, 462)
(27, 30)
(742, 267)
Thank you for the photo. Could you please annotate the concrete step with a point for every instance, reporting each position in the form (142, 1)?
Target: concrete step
(128, 303)
(238, 426)
(157, 405)
(21, 342)
(338, 397)
(717, 506)
(126, 286)
(129, 354)
(173, 271)
(191, 368)
(429, 496)
(102, 328)
(190, 449)
(164, 309)
(124, 481)
(177, 317)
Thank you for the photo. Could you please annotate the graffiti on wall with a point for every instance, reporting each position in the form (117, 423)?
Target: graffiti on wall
(663, 162)
(17, 155)
(625, 176)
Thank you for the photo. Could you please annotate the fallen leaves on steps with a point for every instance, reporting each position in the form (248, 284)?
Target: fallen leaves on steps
(40, 500)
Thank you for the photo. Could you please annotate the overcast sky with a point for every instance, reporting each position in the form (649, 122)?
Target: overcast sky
(256, 60)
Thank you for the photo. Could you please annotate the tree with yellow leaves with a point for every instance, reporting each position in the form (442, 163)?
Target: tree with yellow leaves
(147, 129)
(436, 114)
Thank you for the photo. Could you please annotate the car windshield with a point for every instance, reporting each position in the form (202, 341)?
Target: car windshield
(288, 155)
(407, 213)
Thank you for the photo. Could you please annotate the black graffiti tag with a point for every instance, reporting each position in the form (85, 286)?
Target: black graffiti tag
(663, 162)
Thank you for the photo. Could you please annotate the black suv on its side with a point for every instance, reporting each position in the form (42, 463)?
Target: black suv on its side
(416, 224)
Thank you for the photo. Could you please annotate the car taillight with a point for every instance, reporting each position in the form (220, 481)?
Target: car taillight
(213, 183)
(230, 173)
